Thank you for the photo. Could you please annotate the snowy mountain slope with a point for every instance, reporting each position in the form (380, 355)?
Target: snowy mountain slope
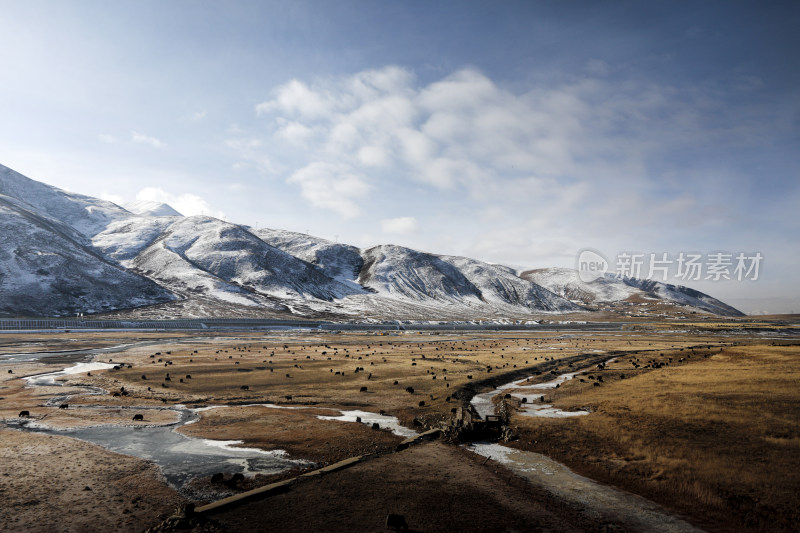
(64, 253)
(149, 208)
(85, 214)
(45, 272)
(683, 296)
(211, 256)
(398, 271)
(405, 274)
(233, 253)
(124, 239)
(566, 283)
(608, 289)
(456, 285)
(341, 262)
(500, 285)
(171, 269)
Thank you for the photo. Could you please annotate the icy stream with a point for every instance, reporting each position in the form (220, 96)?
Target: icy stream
(180, 457)
(532, 407)
(385, 421)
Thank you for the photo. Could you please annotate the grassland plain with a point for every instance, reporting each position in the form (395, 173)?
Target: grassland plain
(658, 432)
(715, 434)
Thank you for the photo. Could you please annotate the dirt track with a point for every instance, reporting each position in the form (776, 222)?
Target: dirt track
(436, 487)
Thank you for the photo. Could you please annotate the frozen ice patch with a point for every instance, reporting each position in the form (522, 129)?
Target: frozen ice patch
(385, 421)
(49, 380)
(514, 459)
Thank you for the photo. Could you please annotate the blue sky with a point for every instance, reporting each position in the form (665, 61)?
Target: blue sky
(514, 132)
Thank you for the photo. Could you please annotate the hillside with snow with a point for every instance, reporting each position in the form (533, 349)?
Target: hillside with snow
(608, 290)
(65, 253)
(83, 214)
(204, 255)
(47, 270)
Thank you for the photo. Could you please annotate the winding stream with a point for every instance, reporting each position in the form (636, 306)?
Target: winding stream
(532, 407)
(600, 502)
(365, 417)
(71, 355)
(180, 457)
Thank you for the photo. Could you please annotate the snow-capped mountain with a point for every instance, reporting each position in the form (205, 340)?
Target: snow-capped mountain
(609, 289)
(63, 253)
(566, 283)
(420, 276)
(46, 269)
(500, 285)
(83, 214)
(341, 262)
(203, 255)
(150, 208)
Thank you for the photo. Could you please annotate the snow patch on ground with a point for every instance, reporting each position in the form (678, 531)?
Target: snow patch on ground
(385, 421)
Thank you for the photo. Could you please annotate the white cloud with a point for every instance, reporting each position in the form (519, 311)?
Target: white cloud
(187, 204)
(400, 225)
(458, 132)
(294, 132)
(331, 186)
(198, 115)
(296, 97)
(244, 144)
(106, 138)
(252, 153)
(373, 156)
(110, 197)
(144, 139)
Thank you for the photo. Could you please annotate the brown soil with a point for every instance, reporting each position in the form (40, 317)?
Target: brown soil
(52, 483)
(436, 487)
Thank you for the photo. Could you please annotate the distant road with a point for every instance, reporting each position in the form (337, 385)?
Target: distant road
(204, 324)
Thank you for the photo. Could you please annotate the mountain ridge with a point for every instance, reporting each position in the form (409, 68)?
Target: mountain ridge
(153, 261)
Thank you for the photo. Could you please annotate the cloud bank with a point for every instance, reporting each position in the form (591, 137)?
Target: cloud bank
(553, 145)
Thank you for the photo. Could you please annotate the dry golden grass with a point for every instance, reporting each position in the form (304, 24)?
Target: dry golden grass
(717, 437)
(320, 369)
